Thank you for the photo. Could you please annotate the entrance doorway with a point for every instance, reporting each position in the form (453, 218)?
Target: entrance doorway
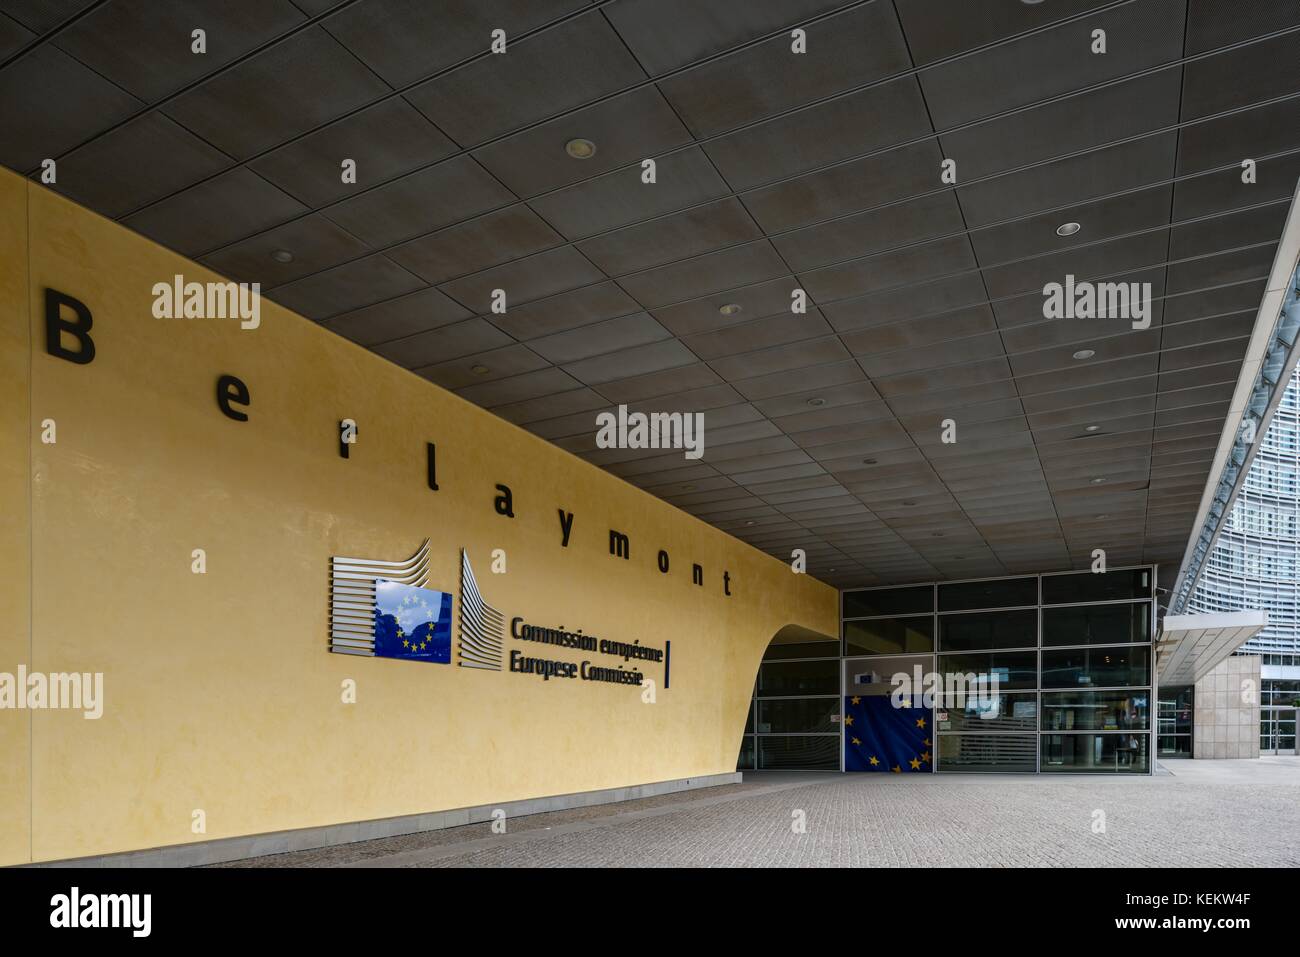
(1277, 730)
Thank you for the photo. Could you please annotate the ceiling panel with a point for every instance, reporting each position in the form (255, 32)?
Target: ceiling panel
(782, 181)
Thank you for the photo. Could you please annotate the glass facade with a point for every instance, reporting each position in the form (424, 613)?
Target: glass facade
(1071, 653)
(794, 717)
(1255, 564)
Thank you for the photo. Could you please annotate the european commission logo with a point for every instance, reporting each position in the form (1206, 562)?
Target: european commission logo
(482, 627)
(382, 609)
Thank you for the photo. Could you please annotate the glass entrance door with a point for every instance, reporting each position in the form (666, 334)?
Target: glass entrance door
(1277, 730)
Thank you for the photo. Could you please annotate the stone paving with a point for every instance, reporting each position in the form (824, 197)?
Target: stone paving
(1192, 813)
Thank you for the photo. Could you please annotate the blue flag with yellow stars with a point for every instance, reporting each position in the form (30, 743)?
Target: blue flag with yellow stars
(412, 623)
(881, 737)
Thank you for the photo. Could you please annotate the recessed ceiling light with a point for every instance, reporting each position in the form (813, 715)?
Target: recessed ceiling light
(282, 256)
(830, 569)
(479, 370)
(816, 401)
(1085, 354)
(580, 149)
(1098, 481)
(749, 522)
(1092, 428)
(1068, 229)
(730, 308)
(868, 461)
(688, 488)
(908, 501)
(1103, 517)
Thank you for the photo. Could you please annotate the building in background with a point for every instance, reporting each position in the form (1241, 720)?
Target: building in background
(1255, 564)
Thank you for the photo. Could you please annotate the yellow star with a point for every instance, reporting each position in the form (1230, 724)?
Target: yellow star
(848, 719)
(856, 741)
(905, 703)
(874, 760)
(422, 645)
(926, 742)
(855, 700)
(405, 643)
(925, 756)
(896, 769)
(916, 765)
(400, 633)
(920, 722)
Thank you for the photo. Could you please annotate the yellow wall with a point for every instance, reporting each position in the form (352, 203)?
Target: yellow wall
(220, 692)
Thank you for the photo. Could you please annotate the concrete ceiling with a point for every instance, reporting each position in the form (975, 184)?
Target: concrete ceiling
(774, 171)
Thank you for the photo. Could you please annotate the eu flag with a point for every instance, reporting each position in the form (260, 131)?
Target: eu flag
(881, 737)
(412, 623)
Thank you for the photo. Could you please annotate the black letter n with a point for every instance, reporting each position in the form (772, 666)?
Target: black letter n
(56, 325)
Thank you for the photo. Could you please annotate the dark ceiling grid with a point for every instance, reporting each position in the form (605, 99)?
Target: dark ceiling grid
(788, 463)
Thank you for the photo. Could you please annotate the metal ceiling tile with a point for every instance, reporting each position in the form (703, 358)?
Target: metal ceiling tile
(639, 387)
(781, 359)
(938, 29)
(845, 187)
(49, 103)
(287, 89)
(713, 272)
(1219, 192)
(839, 129)
(1262, 225)
(315, 242)
(137, 163)
(705, 314)
(549, 406)
(43, 15)
(879, 308)
(444, 343)
(1261, 70)
(685, 178)
(145, 47)
(1055, 61)
(636, 361)
(1225, 141)
(1110, 260)
(407, 40)
(543, 274)
(559, 69)
(844, 51)
(385, 141)
(347, 287)
(871, 232)
(396, 318)
(420, 202)
(898, 270)
(920, 332)
(13, 37)
(501, 365)
(1105, 115)
(601, 337)
(626, 129)
(214, 213)
(671, 238)
(529, 385)
(986, 346)
(489, 240)
(758, 334)
(566, 310)
(780, 384)
(1070, 180)
(668, 34)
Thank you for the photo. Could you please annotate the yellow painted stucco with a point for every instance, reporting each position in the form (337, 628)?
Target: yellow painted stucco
(220, 694)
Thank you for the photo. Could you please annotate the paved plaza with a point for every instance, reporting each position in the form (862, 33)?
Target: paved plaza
(1190, 813)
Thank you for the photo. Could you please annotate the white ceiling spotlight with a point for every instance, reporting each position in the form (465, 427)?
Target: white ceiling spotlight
(580, 149)
(730, 308)
(1068, 229)
(1085, 354)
